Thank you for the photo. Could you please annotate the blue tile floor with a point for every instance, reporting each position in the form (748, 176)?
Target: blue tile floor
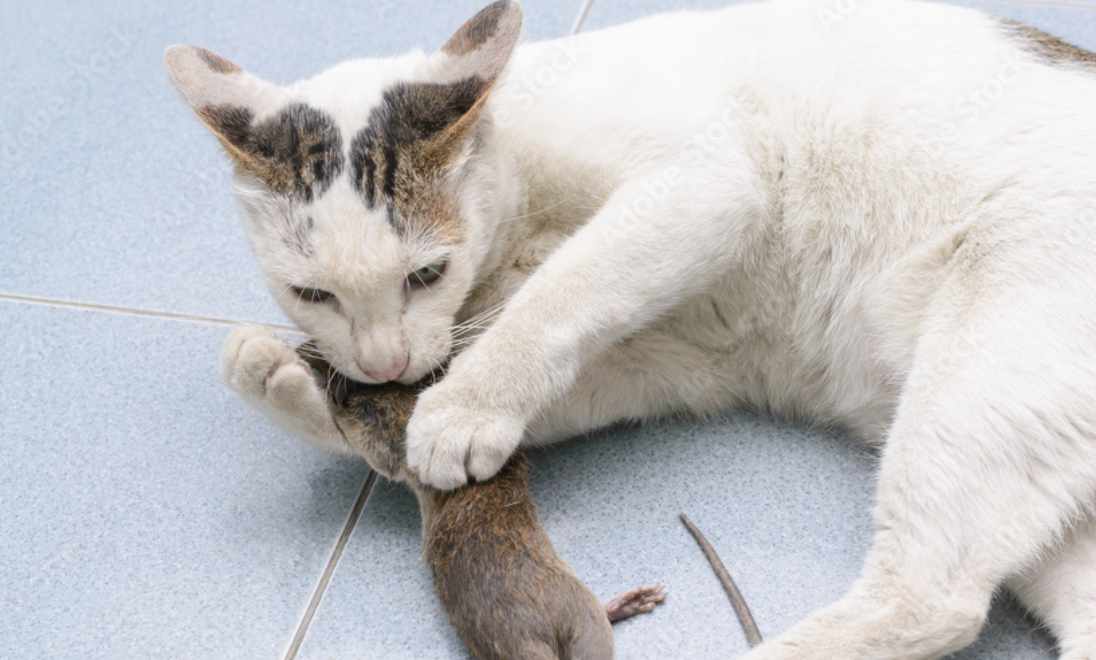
(146, 513)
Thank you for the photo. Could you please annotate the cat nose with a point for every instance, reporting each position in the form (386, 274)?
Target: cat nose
(389, 375)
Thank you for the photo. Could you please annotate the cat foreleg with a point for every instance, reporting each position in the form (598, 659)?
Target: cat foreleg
(620, 272)
(267, 373)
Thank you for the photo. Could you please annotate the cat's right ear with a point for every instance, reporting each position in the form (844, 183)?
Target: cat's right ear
(482, 47)
(226, 97)
(473, 59)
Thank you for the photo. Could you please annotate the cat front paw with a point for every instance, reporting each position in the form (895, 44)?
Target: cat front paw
(449, 441)
(269, 374)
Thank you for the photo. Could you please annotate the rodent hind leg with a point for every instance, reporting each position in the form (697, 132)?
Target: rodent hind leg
(634, 601)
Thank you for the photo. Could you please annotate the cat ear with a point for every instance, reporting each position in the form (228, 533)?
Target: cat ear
(471, 63)
(482, 47)
(225, 96)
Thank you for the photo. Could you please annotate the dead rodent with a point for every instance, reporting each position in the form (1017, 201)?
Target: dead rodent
(497, 572)
(507, 591)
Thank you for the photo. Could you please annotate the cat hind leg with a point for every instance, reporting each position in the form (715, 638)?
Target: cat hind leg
(1061, 591)
(990, 460)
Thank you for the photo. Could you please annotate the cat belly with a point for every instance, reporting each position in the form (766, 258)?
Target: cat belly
(760, 352)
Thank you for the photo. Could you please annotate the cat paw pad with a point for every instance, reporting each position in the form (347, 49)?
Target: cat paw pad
(252, 358)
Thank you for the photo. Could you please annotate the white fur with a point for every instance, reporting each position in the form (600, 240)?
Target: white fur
(882, 220)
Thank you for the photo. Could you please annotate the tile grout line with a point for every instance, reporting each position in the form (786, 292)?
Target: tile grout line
(583, 14)
(133, 311)
(329, 570)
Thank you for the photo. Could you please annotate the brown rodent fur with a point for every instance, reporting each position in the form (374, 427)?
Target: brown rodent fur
(507, 591)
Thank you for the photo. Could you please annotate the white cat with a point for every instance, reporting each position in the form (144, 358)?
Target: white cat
(881, 218)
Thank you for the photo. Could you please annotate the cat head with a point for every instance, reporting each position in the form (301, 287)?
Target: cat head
(368, 192)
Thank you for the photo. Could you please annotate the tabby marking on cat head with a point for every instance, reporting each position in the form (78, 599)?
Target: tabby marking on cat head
(407, 143)
(297, 152)
(355, 180)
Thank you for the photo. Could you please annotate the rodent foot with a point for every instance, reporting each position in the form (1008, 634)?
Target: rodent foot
(635, 601)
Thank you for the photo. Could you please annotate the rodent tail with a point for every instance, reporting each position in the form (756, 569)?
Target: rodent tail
(753, 635)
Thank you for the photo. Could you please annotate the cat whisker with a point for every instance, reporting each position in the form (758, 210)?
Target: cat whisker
(477, 321)
(535, 213)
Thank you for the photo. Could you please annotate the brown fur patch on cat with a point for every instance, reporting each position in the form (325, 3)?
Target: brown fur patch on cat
(1048, 46)
(297, 152)
(216, 63)
(411, 138)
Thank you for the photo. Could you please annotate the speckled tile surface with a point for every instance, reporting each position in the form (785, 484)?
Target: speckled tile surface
(146, 513)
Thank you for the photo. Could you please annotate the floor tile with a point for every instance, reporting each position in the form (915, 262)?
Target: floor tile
(787, 507)
(146, 512)
(113, 192)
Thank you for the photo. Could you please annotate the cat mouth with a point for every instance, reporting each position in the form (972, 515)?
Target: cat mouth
(424, 374)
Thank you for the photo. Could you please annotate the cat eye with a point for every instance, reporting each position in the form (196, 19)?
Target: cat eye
(427, 274)
(315, 296)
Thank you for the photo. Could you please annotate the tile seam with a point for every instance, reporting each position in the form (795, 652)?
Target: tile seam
(134, 311)
(329, 570)
(583, 14)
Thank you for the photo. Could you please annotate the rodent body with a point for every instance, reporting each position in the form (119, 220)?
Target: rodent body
(507, 591)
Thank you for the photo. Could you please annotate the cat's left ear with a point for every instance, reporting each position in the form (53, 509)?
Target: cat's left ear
(225, 96)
